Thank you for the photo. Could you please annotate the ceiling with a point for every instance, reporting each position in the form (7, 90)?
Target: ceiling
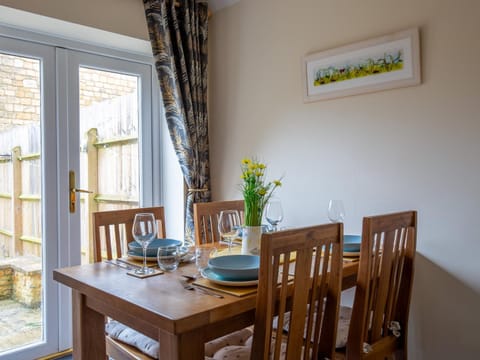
(216, 5)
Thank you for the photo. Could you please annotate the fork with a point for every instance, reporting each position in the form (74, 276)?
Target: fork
(121, 265)
(189, 286)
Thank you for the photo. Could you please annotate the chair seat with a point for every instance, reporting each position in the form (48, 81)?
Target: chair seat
(237, 345)
(118, 331)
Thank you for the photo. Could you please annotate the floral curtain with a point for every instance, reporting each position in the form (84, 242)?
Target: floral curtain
(178, 33)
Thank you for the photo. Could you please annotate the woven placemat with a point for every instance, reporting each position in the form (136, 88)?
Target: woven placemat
(134, 262)
(232, 290)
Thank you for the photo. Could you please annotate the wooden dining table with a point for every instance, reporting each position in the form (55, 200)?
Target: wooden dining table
(159, 307)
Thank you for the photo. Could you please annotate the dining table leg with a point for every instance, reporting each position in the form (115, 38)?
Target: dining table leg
(187, 346)
(88, 330)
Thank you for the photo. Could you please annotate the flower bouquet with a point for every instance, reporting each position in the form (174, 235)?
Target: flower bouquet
(256, 193)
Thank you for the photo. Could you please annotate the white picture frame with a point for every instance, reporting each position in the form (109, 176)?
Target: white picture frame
(385, 62)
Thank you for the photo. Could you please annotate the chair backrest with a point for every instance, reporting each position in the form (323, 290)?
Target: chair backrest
(384, 285)
(115, 227)
(304, 288)
(205, 218)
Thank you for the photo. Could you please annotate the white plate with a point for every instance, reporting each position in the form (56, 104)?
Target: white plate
(208, 273)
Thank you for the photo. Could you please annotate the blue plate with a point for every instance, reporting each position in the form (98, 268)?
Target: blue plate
(136, 248)
(209, 274)
(235, 267)
(351, 243)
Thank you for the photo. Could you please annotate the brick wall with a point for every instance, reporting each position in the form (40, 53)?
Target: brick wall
(27, 287)
(21, 280)
(20, 89)
(6, 282)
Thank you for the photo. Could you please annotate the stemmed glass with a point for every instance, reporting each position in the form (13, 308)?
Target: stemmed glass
(336, 211)
(274, 213)
(229, 225)
(144, 230)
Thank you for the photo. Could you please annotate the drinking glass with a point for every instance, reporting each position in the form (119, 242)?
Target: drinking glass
(144, 230)
(229, 225)
(168, 257)
(203, 255)
(274, 213)
(336, 211)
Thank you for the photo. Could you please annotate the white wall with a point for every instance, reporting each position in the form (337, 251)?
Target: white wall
(411, 148)
(406, 148)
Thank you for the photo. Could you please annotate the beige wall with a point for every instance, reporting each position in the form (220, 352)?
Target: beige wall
(124, 17)
(406, 148)
(410, 148)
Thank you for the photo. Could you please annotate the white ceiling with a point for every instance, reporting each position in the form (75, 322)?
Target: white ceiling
(219, 4)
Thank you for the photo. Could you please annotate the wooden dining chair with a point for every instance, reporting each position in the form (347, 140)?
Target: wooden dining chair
(205, 217)
(297, 302)
(112, 230)
(379, 317)
(112, 233)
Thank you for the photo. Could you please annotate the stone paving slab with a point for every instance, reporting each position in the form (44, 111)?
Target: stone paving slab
(19, 325)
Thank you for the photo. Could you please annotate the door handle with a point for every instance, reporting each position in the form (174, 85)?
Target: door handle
(74, 190)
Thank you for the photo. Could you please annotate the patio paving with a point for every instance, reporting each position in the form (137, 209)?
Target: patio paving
(19, 325)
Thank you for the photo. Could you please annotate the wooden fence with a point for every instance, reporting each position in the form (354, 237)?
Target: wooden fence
(109, 168)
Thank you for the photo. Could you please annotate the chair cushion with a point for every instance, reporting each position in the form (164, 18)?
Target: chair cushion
(240, 339)
(344, 316)
(237, 345)
(121, 332)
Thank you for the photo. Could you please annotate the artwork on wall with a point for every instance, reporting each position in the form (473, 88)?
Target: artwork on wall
(382, 63)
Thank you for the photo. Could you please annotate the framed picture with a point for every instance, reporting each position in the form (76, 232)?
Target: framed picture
(382, 63)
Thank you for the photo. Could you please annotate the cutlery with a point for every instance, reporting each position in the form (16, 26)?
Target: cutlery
(190, 277)
(119, 264)
(123, 262)
(189, 286)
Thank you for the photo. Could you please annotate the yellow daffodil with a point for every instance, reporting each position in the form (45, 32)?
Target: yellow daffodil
(256, 192)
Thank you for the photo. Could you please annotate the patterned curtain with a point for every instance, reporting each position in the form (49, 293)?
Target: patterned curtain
(178, 34)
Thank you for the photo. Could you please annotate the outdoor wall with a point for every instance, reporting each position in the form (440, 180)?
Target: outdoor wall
(20, 90)
(410, 148)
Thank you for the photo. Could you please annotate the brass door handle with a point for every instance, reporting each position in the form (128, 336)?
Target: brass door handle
(82, 191)
(74, 190)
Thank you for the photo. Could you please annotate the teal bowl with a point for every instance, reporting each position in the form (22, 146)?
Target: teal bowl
(153, 246)
(235, 267)
(351, 243)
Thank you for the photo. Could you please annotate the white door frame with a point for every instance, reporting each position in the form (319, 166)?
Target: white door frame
(59, 149)
(46, 55)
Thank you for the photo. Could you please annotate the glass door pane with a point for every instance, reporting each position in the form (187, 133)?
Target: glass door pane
(20, 202)
(26, 201)
(109, 139)
(109, 118)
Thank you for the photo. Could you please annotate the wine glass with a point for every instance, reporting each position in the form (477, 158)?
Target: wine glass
(229, 225)
(336, 211)
(144, 230)
(274, 213)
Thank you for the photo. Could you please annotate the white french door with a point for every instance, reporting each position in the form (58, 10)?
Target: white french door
(77, 92)
(29, 146)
